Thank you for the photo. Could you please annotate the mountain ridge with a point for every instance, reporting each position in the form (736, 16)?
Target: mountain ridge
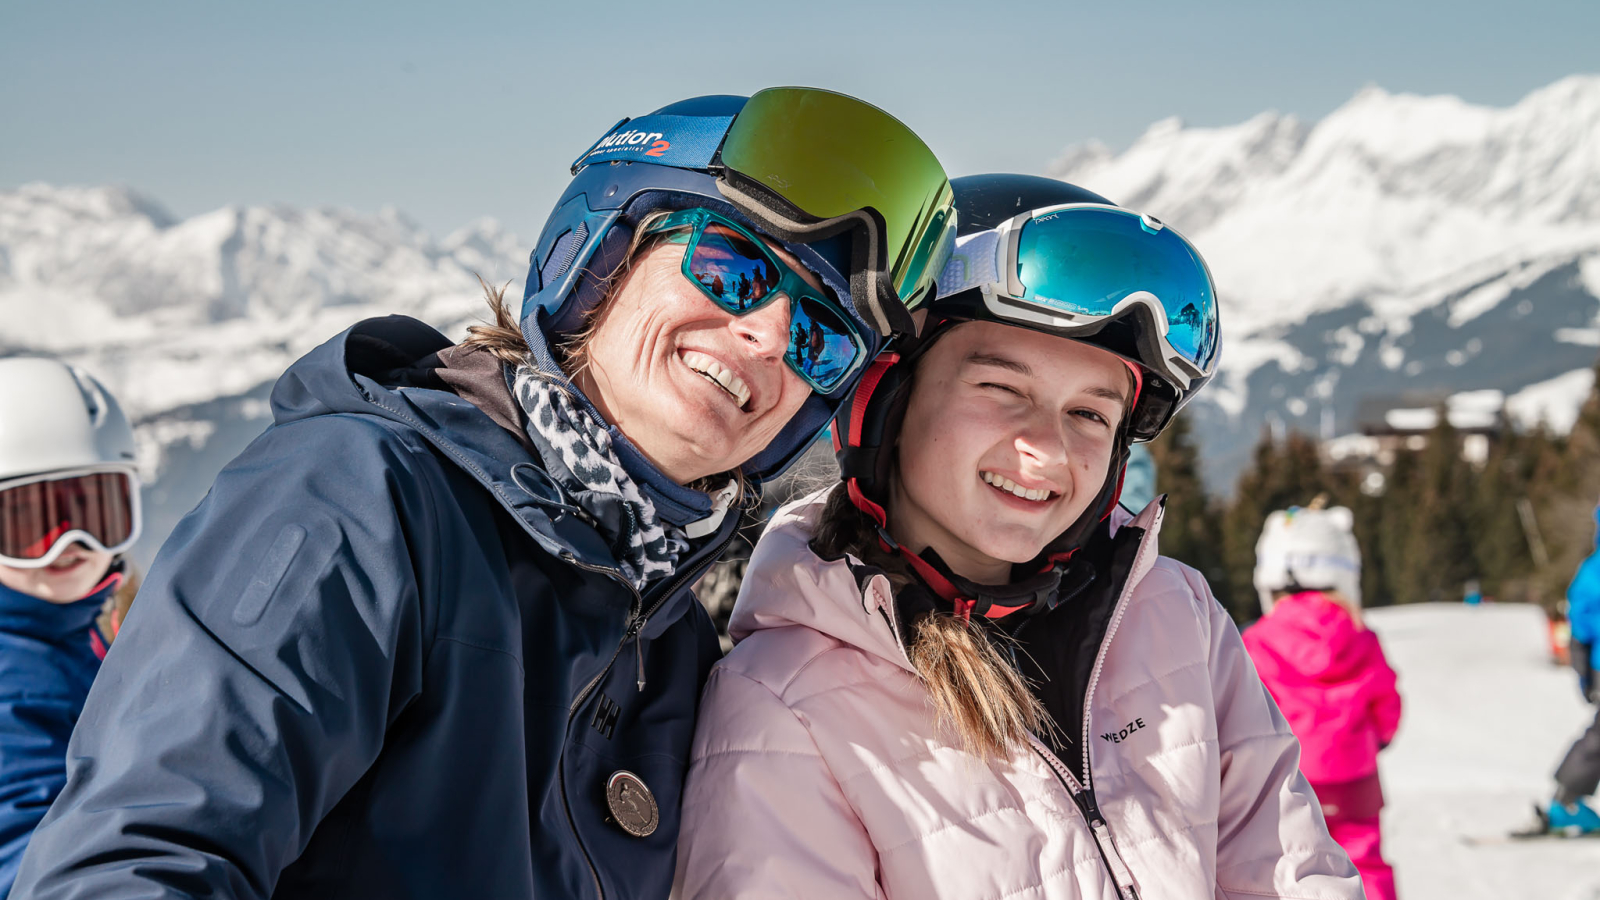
(1388, 210)
(1401, 243)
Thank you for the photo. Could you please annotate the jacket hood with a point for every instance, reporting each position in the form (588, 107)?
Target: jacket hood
(787, 583)
(1315, 634)
(364, 370)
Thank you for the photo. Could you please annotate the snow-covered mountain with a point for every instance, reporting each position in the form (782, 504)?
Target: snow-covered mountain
(191, 321)
(1402, 243)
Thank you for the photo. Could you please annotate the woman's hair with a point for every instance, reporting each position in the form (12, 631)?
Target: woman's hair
(502, 336)
(976, 692)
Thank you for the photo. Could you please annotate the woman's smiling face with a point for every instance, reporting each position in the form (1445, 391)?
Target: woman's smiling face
(1007, 439)
(697, 389)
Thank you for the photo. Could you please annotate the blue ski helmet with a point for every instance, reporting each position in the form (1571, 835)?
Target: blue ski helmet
(847, 189)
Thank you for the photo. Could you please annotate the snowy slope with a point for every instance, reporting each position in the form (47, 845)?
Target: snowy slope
(1401, 243)
(1487, 718)
(191, 321)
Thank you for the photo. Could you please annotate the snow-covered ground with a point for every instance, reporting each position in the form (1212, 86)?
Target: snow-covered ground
(1487, 718)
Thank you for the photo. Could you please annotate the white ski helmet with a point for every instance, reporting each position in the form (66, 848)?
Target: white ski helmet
(57, 422)
(1306, 548)
(56, 416)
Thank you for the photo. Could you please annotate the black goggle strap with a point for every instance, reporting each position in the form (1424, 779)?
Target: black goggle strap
(871, 292)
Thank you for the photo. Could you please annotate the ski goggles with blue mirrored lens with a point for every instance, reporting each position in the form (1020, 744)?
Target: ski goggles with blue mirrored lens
(1070, 267)
(43, 515)
(737, 270)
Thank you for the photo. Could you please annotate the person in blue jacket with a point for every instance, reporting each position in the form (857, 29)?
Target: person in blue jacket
(69, 507)
(431, 634)
(1579, 772)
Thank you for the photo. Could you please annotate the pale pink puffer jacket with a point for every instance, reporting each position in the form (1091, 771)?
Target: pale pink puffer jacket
(819, 771)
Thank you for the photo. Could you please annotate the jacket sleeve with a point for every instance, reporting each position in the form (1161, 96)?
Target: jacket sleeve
(1271, 837)
(1386, 704)
(763, 816)
(33, 750)
(1583, 602)
(277, 636)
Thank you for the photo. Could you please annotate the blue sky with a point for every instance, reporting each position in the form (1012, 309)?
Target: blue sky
(451, 111)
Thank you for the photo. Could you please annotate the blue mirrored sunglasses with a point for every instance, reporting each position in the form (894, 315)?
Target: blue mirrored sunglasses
(737, 270)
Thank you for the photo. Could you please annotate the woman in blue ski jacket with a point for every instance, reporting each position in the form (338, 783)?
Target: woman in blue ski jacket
(69, 506)
(431, 635)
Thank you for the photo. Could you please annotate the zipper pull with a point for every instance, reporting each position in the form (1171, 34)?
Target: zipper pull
(638, 647)
(1119, 869)
(1108, 848)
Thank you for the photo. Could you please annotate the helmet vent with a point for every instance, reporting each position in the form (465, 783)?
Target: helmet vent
(564, 252)
(93, 404)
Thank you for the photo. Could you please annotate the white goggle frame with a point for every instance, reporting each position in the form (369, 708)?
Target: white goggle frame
(987, 260)
(78, 535)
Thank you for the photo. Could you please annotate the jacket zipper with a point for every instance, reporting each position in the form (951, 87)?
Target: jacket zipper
(637, 620)
(1084, 798)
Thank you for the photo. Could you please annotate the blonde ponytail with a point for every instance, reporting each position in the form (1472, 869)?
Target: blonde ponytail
(975, 691)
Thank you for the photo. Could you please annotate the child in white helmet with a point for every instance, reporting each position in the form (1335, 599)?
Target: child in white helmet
(1328, 673)
(69, 506)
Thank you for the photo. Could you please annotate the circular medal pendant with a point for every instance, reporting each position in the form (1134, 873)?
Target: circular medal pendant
(632, 805)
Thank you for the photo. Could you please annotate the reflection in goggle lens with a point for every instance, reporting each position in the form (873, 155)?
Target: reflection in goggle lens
(1086, 260)
(732, 269)
(740, 275)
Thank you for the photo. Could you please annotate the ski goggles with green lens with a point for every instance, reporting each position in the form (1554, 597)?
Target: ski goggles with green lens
(1072, 267)
(737, 270)
(806, 164)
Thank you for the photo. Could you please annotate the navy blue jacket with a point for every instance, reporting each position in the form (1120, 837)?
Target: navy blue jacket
(381, 659)
(47, 662)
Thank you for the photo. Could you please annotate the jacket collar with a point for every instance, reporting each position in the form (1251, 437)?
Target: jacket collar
(788, 584)
(26, 614)
(673, 502)
(355, 372)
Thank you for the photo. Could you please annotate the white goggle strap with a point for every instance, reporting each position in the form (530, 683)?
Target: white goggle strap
(976, 261)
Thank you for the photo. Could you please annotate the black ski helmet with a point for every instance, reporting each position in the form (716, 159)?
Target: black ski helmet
(867, 426)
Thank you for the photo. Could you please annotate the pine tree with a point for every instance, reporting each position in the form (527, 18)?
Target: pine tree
(1436, 555)
(1283, 475)
(1499, 540)
(1191, 527)
(1564, 496)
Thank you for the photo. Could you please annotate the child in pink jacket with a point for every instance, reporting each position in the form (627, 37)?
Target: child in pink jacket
(1328, 674)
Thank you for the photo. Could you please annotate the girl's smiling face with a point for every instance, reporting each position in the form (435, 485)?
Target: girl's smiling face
(1007, 439)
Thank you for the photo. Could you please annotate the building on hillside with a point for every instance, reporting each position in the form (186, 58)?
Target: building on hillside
(1387, 424)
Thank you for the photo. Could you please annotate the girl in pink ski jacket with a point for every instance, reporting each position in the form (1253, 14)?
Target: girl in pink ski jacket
(1327, 673)
(964, 672)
